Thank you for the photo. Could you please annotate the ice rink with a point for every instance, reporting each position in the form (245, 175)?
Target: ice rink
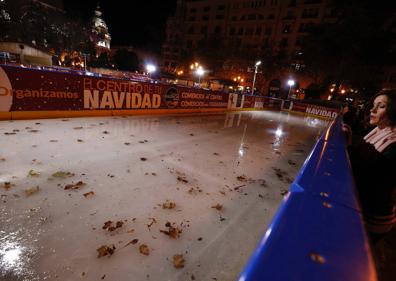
(183, 197)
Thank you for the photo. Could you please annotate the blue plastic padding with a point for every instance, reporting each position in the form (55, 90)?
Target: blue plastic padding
(317, 233)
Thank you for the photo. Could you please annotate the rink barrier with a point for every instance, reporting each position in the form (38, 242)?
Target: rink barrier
(318, 231)
(31, 93)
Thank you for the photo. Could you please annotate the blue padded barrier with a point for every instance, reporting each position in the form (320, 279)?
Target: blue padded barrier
(317, 232)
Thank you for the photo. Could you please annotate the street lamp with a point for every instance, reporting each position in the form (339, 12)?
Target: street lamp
(255, 73)
(291, 83)
(150, 68)
(199, 72)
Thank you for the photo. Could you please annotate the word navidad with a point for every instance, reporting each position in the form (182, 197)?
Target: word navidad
(94, 99)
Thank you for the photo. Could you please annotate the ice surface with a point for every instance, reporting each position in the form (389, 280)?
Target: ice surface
(240, 163)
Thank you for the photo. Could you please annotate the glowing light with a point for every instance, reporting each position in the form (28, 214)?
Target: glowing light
(278, 132)
(258, 63)
(332, 90)
(200, 71)
(150, 68)
(342, 91)
(290, 82)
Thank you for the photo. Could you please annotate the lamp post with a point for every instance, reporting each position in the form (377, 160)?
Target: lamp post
(85, 61)
(291, 83)
(150, 68)
(199, 72)
(255, 73)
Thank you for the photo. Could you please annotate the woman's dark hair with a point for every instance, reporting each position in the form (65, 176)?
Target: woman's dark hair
(391, 106)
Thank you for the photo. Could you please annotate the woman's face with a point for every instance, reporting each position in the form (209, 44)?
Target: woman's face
(378, 115)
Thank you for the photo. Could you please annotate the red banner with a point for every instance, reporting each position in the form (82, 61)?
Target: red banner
(23, 89)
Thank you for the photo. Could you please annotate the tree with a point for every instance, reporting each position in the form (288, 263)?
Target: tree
(101, 61)
(126, 60)
(356, 47)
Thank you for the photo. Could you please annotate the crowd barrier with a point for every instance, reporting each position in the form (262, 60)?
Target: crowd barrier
(30, 93)
(317, 232)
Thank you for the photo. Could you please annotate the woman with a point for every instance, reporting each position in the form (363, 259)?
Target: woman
(373, 160)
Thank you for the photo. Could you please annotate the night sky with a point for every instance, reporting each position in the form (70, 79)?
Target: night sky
(131, 22)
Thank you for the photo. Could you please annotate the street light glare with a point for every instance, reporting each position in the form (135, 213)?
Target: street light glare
(290, 82)
(258, 63)
(150, 68)
(200, 71)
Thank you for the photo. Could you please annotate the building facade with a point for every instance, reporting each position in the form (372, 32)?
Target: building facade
(101, 33)
(242, 32)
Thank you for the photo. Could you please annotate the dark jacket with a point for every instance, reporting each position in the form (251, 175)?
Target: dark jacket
(375, 178)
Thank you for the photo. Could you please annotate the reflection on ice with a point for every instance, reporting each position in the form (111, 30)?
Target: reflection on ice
(11, 256)
(279, 132)
(14, 258)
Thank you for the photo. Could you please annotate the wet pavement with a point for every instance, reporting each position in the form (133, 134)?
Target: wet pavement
(182, 197)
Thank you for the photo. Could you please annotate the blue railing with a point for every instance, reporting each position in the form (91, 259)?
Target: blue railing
(318, 232)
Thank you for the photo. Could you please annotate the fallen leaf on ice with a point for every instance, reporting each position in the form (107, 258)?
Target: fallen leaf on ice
(62, 174)
(31, 191)
(7, 185)
(178, 261)
(218, 207)
(172, 232)
(110, 227)
(144, 250)
(182, 179)
(89, 194)
(105, 250)
(33, 173)
(168, 205)
(153, 221)
(241, 178)
(133, 242)
(74, 186)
